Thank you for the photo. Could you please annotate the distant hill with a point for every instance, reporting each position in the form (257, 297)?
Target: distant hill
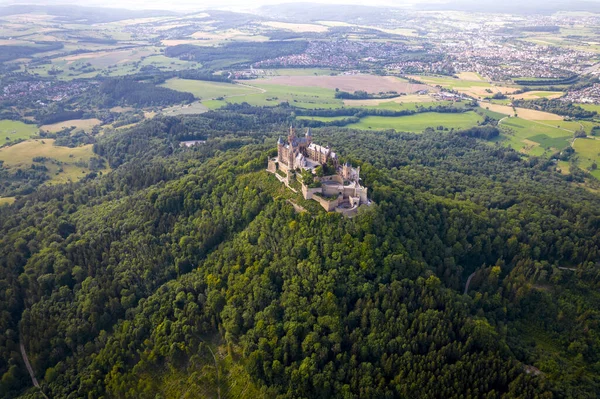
(85, 15)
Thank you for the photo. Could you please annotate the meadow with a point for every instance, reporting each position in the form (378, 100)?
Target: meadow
(85, 124)
(322, 118)
(537, 138)
(210, 90)
(69, 161)
(588, 151)
(11, 131)
(419, 122)
(271, 95)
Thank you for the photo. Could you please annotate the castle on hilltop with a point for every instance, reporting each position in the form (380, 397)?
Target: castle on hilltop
(336, 187)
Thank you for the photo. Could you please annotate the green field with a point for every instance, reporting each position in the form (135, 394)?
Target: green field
(537, 137)
(209, 90)
(323, 118)
(419, 122)
(304, 97)
(588, 151)
(11, 131)
(64, 164)
(448, 81)
(590, 107)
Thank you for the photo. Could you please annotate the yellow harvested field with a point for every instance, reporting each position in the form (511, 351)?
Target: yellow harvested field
(121, 109)
(470, 76)
(6, 200)
(24, 152)
(230, 34)
(536, 95)
(528, 114)
(350, 83)
(78, 123)
(176, 42)
(297, 27)
(411, 98)
(107, 58)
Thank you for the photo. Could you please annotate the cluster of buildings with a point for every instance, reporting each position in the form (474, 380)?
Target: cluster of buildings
(42, 90)
(343, 54)
(339, 191)
(589, 95)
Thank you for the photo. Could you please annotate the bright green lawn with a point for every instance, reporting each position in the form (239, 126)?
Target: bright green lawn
(209, 90)
(419, 122)
(15, 130)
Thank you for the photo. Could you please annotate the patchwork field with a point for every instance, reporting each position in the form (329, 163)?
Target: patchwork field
(15, 130)
(210, 90)
(64, 164)
(419, 122)
(84, 124)
(534, 95)
(350, 83)
(475, 88)
(524, 113)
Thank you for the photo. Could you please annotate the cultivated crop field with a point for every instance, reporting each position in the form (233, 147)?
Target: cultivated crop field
(535, 95)
(475, 88)
(419, 122)
(15, 130)
(524, 113)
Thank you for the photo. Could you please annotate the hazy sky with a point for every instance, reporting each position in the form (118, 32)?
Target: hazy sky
(205, 4)
(241, 5)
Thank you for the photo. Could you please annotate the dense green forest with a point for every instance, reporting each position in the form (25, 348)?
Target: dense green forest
(188, 273)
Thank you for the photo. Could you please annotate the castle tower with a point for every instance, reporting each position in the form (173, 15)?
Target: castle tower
(280, 145)
(308, 136)
(292, 135)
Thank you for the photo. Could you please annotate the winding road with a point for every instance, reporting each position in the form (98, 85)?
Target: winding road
(30, 369)
(468, 282)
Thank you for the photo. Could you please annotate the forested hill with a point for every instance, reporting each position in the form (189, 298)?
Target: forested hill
(188, 272)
